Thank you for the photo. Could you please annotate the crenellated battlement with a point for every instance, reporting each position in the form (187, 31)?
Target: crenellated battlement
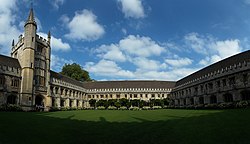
(19, 43)
(42, 40)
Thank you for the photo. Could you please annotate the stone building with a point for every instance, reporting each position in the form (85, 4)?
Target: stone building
(26, 78)
(225, 81)
(10, 79)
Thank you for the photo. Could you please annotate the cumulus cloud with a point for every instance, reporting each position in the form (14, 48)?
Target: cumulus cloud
(56, 3)
(140, 53)
(144, 64)
(56, 43)
(107, 68)
(139, 57)
(83, 26)
(8, 30)
(214, 50)
(180, 62)
(57, 62)
(132, 8)
(129, 47)
(111, 52)
(140, 46)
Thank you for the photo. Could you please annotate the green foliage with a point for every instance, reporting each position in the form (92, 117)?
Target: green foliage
(92, 103)
(76, 72)
(111, 102)
(117, 105)
(123, 101)
(101, 108)
(10, 108)
(226, 105)
(242, 104)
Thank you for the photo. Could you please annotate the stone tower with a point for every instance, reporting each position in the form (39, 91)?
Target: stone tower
(27, 60)
(33, 53)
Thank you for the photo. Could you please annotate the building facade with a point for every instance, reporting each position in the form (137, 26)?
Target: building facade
(226, 81)
(26, 80)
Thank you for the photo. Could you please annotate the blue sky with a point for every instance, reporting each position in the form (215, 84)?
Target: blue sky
(133, 39)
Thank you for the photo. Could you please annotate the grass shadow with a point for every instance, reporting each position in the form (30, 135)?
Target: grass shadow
(225, 126)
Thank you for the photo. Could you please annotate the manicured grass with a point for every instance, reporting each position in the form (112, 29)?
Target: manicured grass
(128, 127)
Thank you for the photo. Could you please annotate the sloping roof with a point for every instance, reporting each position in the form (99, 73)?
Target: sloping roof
(9, 61)
(114, 84)
(129, 84)
(235, 59)
(65, 78)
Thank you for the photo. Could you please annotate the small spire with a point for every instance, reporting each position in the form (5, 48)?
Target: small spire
(31, 18)
(31, 15)
(13, 42)
(49, 35)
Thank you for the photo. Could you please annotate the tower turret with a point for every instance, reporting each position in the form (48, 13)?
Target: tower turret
(27, 61)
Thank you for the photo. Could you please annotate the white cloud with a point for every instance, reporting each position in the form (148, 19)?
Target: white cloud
(130, 47)
(197, 42)
(144, 64)
(8, 30)
(107, 68)
(140, 46)
(84, 26)
(227, 48)
(214, 50)
(132, 8)
(57, 63)
(110, 69)
(57, 3)
(180, 62)
(124, 31)
(56, 43)
(111, 52)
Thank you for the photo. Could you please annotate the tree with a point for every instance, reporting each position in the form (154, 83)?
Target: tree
(92, 103)
(117, 104)
(76, 72)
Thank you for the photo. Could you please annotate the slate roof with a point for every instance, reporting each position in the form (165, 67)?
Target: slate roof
(129, 84)
(114, 84)
(65, 78)
(230, 61)
(9, 61)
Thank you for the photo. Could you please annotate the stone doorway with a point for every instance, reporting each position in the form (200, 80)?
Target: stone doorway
(11, 99)
(39, 103)
(245, 95)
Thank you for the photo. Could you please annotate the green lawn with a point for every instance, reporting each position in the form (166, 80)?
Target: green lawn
(128, 127)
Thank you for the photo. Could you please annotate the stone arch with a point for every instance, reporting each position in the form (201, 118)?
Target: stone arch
(39, 100)
(62, 102)
(53, 103)
(191, 101)
(12, 99)
(228, 97)
(213, 99)
(245, 95)
(201, 100)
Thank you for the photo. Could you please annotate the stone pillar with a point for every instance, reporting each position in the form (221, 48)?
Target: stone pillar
(196, 100)
(59, 92)
(67, 102)
(74, 103)
(64, 93)
(220, 98)
(54, 90)
(206, 99)
(58, 102)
